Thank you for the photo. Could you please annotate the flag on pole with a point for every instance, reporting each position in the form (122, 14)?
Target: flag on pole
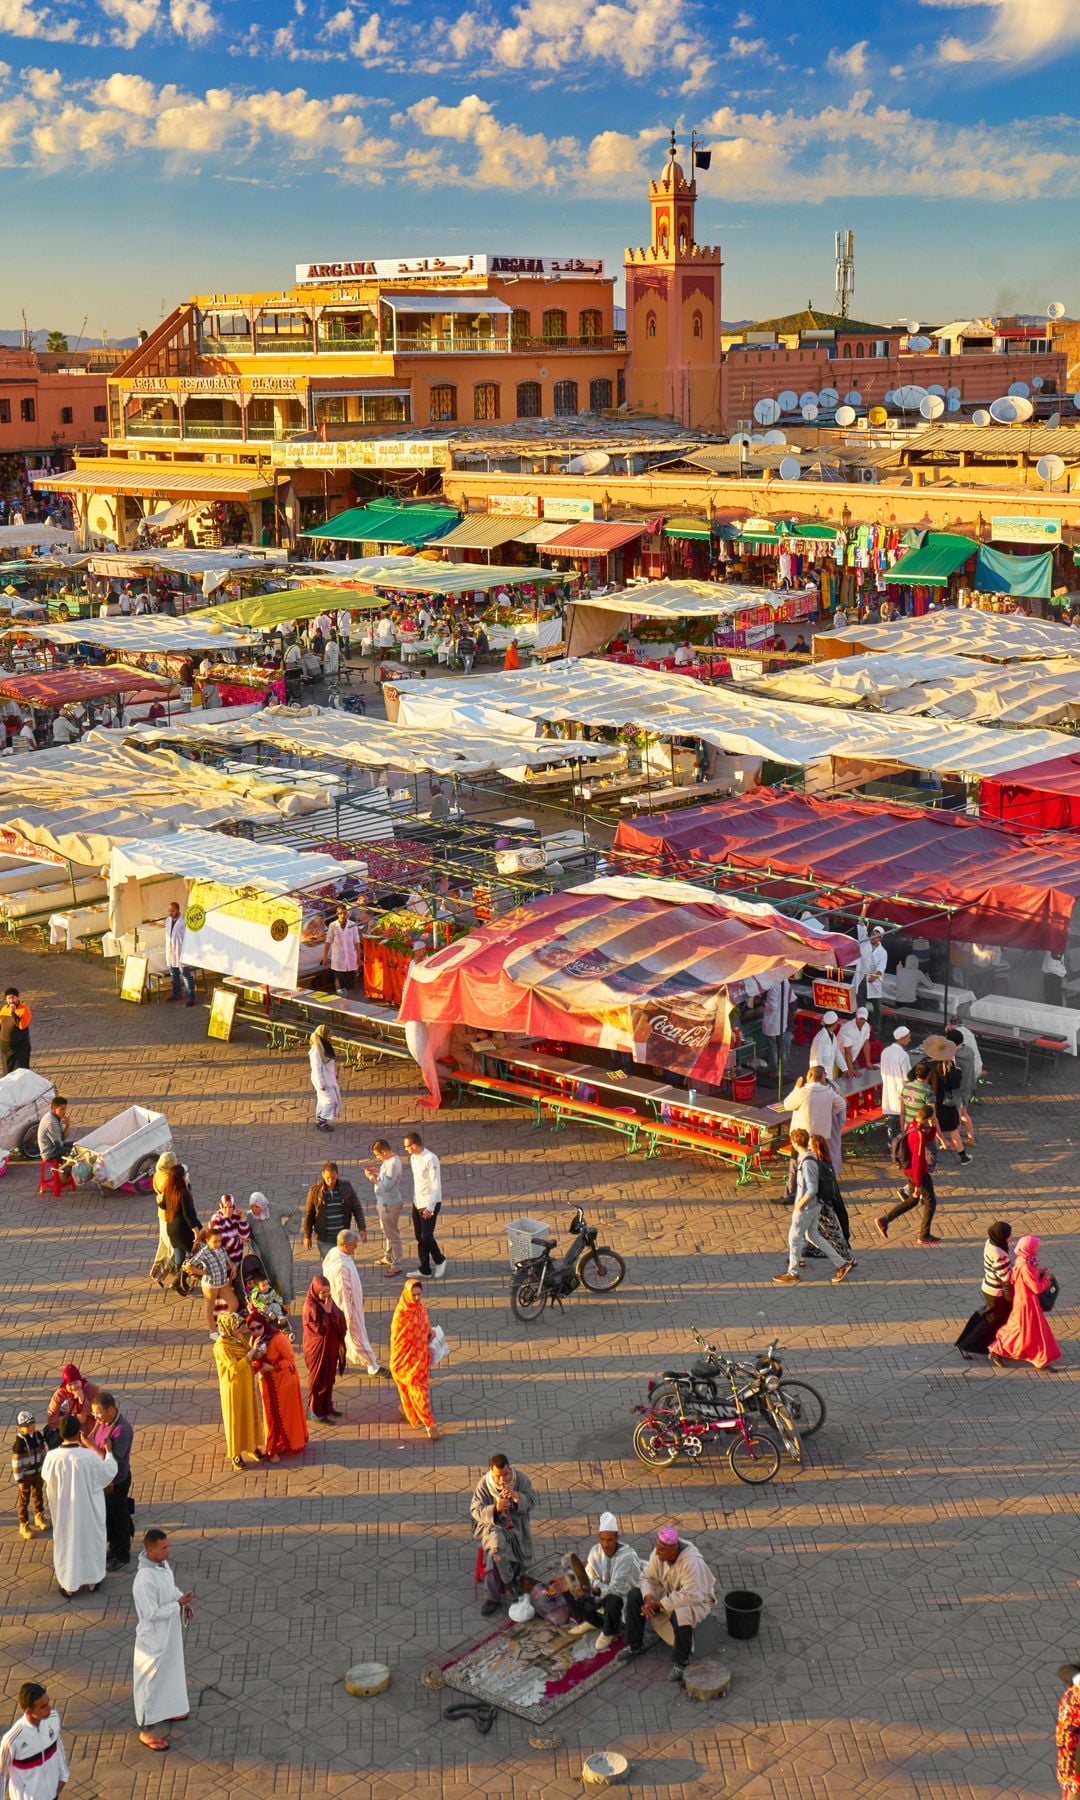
(702, 158)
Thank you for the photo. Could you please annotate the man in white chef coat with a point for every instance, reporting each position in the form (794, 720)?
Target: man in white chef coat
(76, 1476)
(32, 1759)
(161, 1695)
(824, 1049)
(871, 968)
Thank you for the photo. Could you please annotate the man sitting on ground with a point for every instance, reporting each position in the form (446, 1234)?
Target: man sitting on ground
(613, 1568)
(678, 1585)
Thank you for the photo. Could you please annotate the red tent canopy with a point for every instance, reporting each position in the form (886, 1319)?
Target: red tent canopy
(65, 686)
(620, 966)
(1009, 888)
(1045, 797)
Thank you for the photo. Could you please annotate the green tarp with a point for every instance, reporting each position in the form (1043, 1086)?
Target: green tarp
(682, 526)
(788, 529)
(263, 611)
(997, 572)
(386, 524)
(932, 564)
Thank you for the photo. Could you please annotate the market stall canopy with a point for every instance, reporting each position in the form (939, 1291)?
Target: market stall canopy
(1006, 888)
(952, 687)
(627, 965)
(152, 633)
(262, 612)
(372, 743)
(595, 619)
(194, 855)
(672, 705)
(457, 578)
(1043, 797)
(384, 522)
(162, 480)
(66, 686)
(540, 533)
(956, 631)
(1000, 572)
(684, 525)
(599, 538)
(21, 537)
(484, 531)
(359, 568)
(938, 557)
(211, 568)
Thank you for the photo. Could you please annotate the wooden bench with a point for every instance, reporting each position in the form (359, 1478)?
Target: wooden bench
(492, 1088)
(560, 1107)
(1000, 1040)
(744, 1156)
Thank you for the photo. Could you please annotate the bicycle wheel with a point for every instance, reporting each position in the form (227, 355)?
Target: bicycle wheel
(754, 1458)
(805, 1405)
(527, 1297)
(600, 1270)
(654, 1444)
(785, 1425)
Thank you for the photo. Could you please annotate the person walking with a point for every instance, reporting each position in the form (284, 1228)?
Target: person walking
(895, 1069)
(915, 1146)
(1026, 1335)
(178, 1222)
(75, 1478)
(806, 1217)
(501, 1510)
(28, 1453)
(15, 1017)
(427, 1205)
(33, 1762)
(232, 1228)
(182, 978)
(322, 1061)
(410, 1357)
(944, 1082)
(159, 1676)
(774, 1026)
(113, 1433)
(238, 1392)
(1067, 1736)
(272, 1359)
(997, 1292)
(342, 950)
(386, 1178)
(677, 1582)
(968, 1081)
(273, 1245)
(332, 1206)
(339, 1267)
(211, 1263)
(916, 1093)
(325, 1331)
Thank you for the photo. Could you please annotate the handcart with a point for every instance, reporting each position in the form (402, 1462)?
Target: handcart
(25, 1097)
(122, 1153)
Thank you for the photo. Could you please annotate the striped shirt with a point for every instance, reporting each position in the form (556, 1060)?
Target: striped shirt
(997, 1275)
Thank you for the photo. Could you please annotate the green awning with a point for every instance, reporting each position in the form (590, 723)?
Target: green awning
(931, 565)
(681, 525)
(386, 524)
(263, 611)
(789, 529)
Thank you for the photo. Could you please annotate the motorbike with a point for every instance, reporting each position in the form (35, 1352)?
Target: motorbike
(663, 1435)
(794, 1408)
(538, 1281)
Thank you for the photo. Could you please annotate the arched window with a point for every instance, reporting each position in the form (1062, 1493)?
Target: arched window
(650, 325)
(520, 324)
(566, 397)
(697, 325)
(486, 400)
(847, 349)
(684, 241)
(859, 350)
(529, 400)
(443, 403)
(599, 394)
(554, 326)
(590, 322)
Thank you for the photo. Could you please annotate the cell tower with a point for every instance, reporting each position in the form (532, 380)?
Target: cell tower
(845, 271)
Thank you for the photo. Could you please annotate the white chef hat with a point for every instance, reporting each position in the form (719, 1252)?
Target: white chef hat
(829, 1018)
(608, 1522)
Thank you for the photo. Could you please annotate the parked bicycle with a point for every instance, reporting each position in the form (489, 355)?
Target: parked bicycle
(793, 1407)
(538, 1281)
(663, 1435)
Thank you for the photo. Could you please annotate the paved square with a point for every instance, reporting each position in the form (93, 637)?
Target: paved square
(919, 1575)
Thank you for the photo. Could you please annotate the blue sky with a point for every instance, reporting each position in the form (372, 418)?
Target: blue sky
(154, 148)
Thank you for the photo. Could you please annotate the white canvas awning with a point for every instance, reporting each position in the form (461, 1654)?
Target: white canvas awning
(470, 304)
(180, 857)
(22, 537)
(154, 631)
(956, 631)
(594, 620)
(951, 687)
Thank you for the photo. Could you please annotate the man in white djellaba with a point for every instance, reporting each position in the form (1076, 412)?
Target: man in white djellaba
(161, 1695)
(76, 1475)
(33, 1765)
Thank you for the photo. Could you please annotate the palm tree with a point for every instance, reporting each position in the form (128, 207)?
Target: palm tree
(56, 340)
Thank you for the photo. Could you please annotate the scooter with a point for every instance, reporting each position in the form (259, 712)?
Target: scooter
(538, 1282)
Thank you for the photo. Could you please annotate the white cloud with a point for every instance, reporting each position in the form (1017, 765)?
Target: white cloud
(850, 62)
(340, 21)
(639, 37)
(1018, 31)
(506, 156)
(19, 18)
(369, 41)
(739, 47)
(192, 19)
(135, 18)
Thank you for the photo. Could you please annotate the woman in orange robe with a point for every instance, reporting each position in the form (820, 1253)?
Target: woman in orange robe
(283, 1403)
(512, 660)
(410, 1357)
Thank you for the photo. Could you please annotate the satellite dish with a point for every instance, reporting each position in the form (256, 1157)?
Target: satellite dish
(1056, 309)
(1025, 409)
(878, 415)
(910, 397)
(766, 412)
(918, 343)
(953, 404)
(828, 397)
(1075, 398)
(788, 400)
(913, 325)
(774, 437)
(790, 469)
(981, 417)
(952, 393)
(809, 398)
(1050, 468)
(1021, 388)
(890, 397)
(810, 411)
(936, 388)
(845, 415)
(739, 437)
(1036, 382)
(1003, 411)
(1054, 419)
(931, 406)
(853, 398)
(593, 462)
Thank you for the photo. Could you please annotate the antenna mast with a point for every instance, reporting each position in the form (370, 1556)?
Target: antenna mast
(845, 271)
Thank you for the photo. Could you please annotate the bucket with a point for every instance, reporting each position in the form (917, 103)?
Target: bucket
(743, 1611)
(743, 1087)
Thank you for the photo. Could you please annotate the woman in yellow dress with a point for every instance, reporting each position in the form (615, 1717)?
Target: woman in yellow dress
(241, 1410)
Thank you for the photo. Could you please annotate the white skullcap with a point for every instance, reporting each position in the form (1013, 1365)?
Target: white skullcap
(829, 1018)
(862, 1013)
(877, 931)
(608, 1522)
(901, 1031)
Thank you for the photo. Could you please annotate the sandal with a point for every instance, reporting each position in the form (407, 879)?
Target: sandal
(154, 1743)
(237, 1462)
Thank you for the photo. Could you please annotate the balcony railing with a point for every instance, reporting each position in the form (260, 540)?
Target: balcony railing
(345, 344)
(152, 428)
(263, 431)
(228, 346)
(615, 340)
(202, 430)
(442, 344)
(213, 428)
(303, 344)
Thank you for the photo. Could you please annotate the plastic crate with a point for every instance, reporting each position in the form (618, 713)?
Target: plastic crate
(519, 1239)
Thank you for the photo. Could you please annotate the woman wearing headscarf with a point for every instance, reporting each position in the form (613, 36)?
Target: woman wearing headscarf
(241, 1411)
(997, 1290)
(1026, 1335)
(73, 1399)
(325, 1329)
(273, 1245)
(163, 1260)
(234, 1228)
(410, 1357)
(272, 1359)
(177, 1207)
(322, 1061)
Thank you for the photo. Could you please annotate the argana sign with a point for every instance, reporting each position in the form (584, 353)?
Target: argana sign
(438, 268)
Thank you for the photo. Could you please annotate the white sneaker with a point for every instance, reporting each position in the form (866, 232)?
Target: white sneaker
(603, 1642)
(416, 1275)
(438, 1270)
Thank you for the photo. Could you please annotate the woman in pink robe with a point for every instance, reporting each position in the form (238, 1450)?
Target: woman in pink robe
(1026, 1335)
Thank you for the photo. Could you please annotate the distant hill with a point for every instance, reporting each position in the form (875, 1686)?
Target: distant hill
(13, 339)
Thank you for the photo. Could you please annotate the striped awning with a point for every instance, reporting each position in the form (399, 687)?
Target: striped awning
(599, 538)
(162, 480)
(541, 533)
(484, 531)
